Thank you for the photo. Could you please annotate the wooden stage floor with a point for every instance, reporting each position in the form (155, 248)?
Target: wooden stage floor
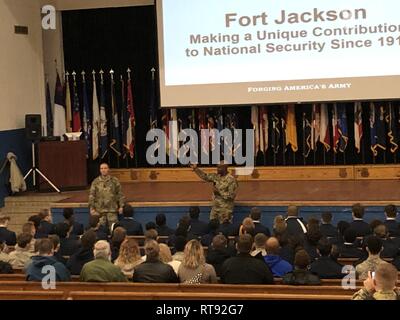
(259, 193)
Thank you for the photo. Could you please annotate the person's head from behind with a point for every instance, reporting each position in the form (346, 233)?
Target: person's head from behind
(180, 243)
(255, 214)
(29, 227)
(119, 235)
(104, 169)
(24, 239)
(301, 260)
(194, 212)
(151, 234)
(94, 222)
(350, 235)
(150, 225)
(312, 222)
(152, 250)
(127, 211)
(244, 244)
(222, 169)
(313, 234)
(374, 223)
(374, 245)
(326, 218)
(45, 247)
(161, 220)
(45, 215)
(184, 223)
(248, 226)
(88, 239)
(68, 214)
(279, 225)
(56, 241)
(391, 211)
(324, 247)
(385, 277)
(213, 225)
(63, 230)
(260, 240)
(293, 211)
(129, 251)
(272, 246)
(4, 219)
(381, 231)
(165, 253)
(35, 219)
(219, 242)
(358, 211)
(102, 250)
(193, 255)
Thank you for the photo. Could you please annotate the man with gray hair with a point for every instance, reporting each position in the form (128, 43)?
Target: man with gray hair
(153, 270)
(101, 269)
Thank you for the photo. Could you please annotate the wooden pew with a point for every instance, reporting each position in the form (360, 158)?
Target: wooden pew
(31, 295)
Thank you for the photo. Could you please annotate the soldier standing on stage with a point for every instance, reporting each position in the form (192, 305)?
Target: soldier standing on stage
(224, 191)
(105, 197)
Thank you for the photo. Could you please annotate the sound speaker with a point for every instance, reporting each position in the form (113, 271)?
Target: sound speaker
(33, 127)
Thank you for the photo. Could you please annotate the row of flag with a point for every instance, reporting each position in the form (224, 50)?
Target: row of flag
(102, 135)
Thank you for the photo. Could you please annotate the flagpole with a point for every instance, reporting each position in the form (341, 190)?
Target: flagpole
(128, 71)
(304, 138)
(121, 79)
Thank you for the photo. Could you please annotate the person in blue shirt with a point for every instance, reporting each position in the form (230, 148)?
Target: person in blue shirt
(278, 266)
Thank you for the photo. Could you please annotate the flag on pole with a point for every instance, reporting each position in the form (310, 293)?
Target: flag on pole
(307, 128)
(335, 128)
(380, 118)
(49, 111)
(203, 125)
(124, 118)
(263, 128)
(165, 123)
(316, 125)
(174, 132)
(130, 133)
(152, 103)
(59, 110)
(325, 137)
(95, 120)
(115, 139)
(76, 118)
(87, 124)
(393, 133)
(103, 119)
(291, 130)
(342, 128)
(68, 104)
(275, 133)
(256, 127)
(372, 126)
(358, 129)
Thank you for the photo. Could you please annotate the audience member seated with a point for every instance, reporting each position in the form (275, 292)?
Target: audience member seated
(301, 275)
(295, 225)
(342, 226)
(118, 236)
(4, 256)
(312, 237)
(278, 266)
(182, 230)
(46, 226)
(324, 266)
(35, 219)
(45, 258)
(129, 257)
(228, 229)
(255, 215)
(359, 225)
(22, 253)
(166, 257)
(213, 226)
(100, 231)
(153, 270)
(259, 246)
(243, 268)
(76, 262)
(29, 227)
(290, 245)
(312, 222)
(69, 244)
(194, 269)
(132, 227)
(197, 227)
(101, 269)
(56, 245)
(162, 228)
(7, 236)
(391, 224)
(349, 248)
(374, 248)
(380, 287)
(279, 228)
(77, 228)
(326, 228)
(218, 252)
(180, 243)
(150, 226)
(247, 227)
(390, 246)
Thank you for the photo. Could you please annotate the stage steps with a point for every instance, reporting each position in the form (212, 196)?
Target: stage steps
(21, 207)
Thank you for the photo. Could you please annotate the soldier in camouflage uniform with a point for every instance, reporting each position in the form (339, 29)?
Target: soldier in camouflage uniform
(105, 197)
(224, 191)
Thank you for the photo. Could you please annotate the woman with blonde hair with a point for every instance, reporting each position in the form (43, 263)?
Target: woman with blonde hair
(129, 257)
(194, 269)
(166, 257)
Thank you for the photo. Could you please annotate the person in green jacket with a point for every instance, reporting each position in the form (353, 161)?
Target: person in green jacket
(101, 269)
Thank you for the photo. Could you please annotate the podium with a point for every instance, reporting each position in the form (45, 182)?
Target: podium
(64, 163)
